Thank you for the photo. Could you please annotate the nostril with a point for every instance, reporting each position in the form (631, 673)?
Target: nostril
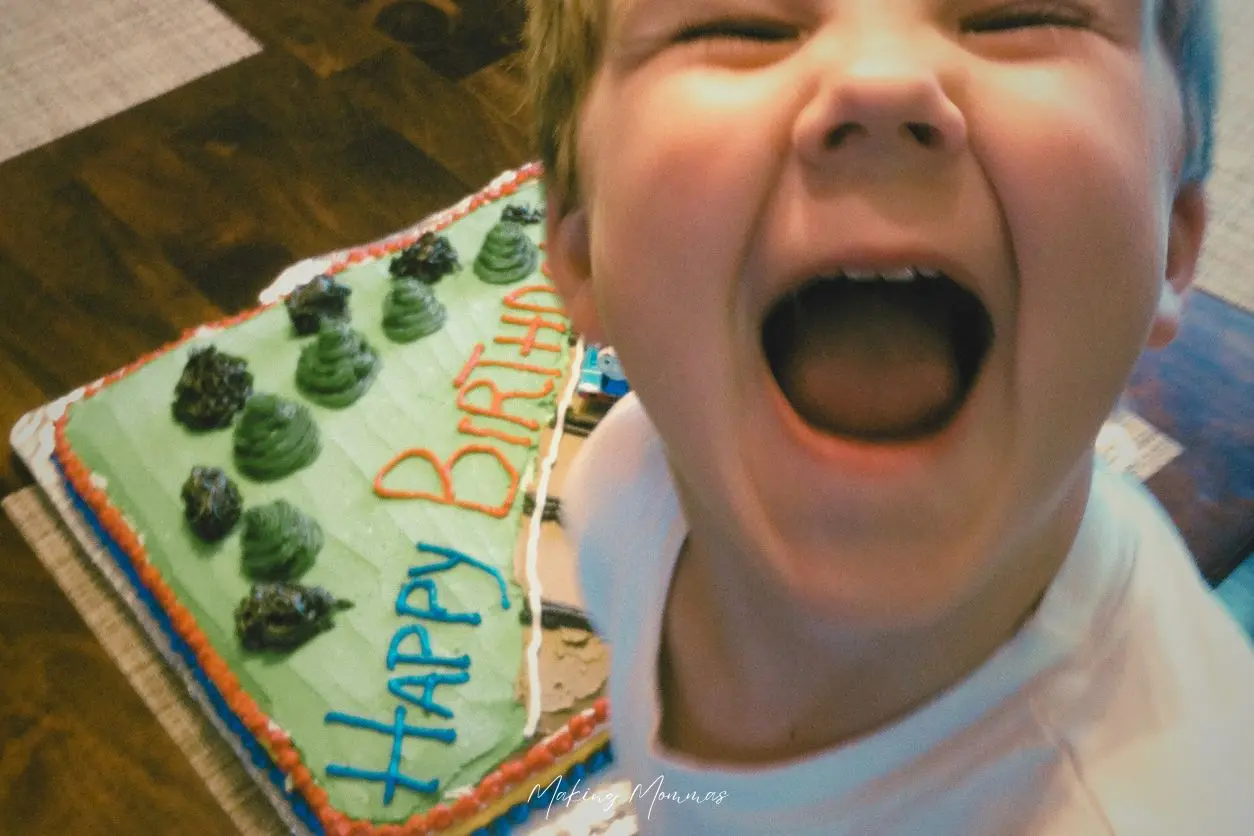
(924, 134)
(836, 136)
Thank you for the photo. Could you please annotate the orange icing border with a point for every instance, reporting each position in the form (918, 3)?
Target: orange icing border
(476, 808)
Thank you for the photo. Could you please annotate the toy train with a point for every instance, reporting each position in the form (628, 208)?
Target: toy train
(601, 375)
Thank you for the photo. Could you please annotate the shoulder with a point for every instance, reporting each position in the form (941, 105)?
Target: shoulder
(1187, 774)
(1158, 723)
(1171, 607)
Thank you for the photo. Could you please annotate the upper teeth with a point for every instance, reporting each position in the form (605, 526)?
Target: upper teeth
(901, 274)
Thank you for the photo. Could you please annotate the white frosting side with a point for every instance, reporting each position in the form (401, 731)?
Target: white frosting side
(534, 592)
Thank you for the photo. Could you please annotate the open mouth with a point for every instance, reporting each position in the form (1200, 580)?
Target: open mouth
(880, 358)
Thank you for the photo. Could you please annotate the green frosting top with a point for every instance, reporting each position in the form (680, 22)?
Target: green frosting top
(279, 542)
(337, 367)
(508, 255)
(125, 433)
(411, 311)
(274, 437)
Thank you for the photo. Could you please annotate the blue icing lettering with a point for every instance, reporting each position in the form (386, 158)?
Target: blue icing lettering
(453, 558)
(399, 685)
(434, 611)
(404, 687)
(395, 657)
(399, 730)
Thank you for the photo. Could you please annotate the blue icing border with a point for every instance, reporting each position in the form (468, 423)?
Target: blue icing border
(257, 753)
(501, 826)
(504, 825)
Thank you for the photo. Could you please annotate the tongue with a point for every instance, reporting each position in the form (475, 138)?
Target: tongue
(869, 360)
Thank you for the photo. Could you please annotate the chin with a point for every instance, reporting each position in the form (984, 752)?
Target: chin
(895, 583)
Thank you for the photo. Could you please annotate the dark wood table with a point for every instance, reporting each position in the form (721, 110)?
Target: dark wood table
(359, 117)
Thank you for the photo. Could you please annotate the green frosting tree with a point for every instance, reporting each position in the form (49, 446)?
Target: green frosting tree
(337, 367)
(274, 437)
(411, 311)
(507, 256)
(279, 542)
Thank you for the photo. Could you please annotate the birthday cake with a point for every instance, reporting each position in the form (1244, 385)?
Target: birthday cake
(341, 511)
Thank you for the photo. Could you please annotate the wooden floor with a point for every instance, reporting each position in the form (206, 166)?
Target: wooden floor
(358, 117)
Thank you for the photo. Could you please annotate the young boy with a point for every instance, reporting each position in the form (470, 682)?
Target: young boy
(877, 270)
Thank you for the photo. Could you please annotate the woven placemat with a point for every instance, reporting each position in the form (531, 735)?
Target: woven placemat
(125, 642)
(68, 64)
(1229, 250)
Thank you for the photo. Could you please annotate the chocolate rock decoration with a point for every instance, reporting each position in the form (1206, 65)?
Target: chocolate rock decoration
(508, 255)
(211, 503)
(279, 542)
(411, 311)
(337, 367)
(428, 260)
(274, 437)
(523, 214)
(319, 301)
(283, 616)
(211, 390)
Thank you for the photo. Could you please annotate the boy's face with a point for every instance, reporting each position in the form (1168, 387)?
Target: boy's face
(884, 448)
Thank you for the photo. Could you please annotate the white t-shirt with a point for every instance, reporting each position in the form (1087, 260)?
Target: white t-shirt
(1125, 705)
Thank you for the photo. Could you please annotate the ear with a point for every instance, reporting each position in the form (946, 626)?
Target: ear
(1184, 247)
(568, 250)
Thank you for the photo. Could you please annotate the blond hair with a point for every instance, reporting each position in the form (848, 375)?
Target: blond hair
(566, 38)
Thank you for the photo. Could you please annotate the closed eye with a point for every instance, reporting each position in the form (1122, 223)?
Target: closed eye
(1037, 16)
(763, 31)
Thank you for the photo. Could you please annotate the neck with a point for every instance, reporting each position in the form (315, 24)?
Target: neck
(749, 677)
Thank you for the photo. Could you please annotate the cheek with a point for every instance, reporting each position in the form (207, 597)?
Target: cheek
(679, 178)
(683, 166)
(1079, 183)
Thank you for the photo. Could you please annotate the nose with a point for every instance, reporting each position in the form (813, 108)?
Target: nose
(884, 99)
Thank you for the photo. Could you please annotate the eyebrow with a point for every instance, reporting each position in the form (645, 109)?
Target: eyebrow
(626, 12)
